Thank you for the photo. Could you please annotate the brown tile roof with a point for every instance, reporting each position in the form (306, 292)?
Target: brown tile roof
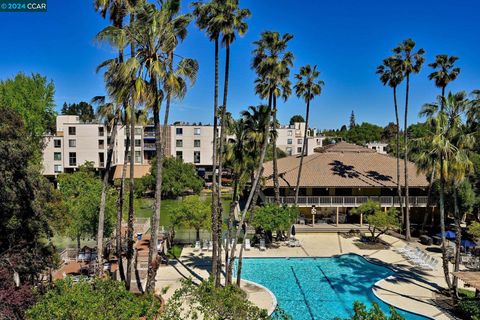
(140, 170)
(343, 165)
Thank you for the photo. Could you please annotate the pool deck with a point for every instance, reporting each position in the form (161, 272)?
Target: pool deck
(409, 288)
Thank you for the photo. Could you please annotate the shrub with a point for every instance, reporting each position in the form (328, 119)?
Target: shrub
(469, 309)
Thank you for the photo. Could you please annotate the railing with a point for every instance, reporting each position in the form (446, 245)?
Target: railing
(149, 146)
(68, 254)
(349, 201)
(149, 134)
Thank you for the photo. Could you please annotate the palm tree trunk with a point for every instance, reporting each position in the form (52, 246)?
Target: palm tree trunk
(256, 181)
(446, 271)
(458, 242)
(214, 174)
(103, 198)
(242, 247)
(304, 148)
(131, 187)
(220, 164)
(153, 262)
(120, 204)
(405, 161)
(429, 197)
(228, 266)
(276, 183)
(397, 119)
(130, 241)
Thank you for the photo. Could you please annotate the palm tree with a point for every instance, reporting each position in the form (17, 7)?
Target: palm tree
(411, 63)
(208, 18)
(307, 87)
(391, 74)
(232, 21)
(272, 64)
(450, 144)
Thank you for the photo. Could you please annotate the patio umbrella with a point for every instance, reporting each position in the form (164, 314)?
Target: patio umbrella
(448, 234)
(468, 244)
(292, 232)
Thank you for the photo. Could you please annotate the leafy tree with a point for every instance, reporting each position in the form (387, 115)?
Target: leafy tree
(474, 229)
(269, 154)
(24, 196)
(379, 221)
(80, 193)
(208, 302)
(352, 120)
(32, 98)
(296, 118)
(102, 299)
(364, 133)
(82, 109)
(178, 178)
(193, 212)
(375, 313)
(271, 218)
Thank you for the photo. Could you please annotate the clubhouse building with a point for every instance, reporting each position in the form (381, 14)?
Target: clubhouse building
(342, 176)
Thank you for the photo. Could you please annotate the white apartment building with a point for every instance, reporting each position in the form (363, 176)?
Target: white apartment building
(290, 139)
(76, 142)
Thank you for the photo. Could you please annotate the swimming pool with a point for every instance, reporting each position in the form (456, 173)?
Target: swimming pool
(319, 288)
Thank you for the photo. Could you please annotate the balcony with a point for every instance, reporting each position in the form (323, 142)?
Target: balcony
(149, 134)
(349, 201)
(149, 146)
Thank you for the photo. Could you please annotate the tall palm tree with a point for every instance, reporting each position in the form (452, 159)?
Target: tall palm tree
(307, 87)
(450, 144)
(391, 74)
(272, 64)
(411, 63)
(208, 18)
(232, 21)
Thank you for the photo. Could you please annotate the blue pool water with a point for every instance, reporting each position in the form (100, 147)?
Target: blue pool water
(319, 288)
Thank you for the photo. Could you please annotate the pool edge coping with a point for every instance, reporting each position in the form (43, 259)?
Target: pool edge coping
(272, 295)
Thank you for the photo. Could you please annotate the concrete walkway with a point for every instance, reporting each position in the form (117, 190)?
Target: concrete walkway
(409, 288)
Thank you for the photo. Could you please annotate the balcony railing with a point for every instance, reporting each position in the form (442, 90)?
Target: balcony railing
(149, 146)
(149, 134)
(349, 201)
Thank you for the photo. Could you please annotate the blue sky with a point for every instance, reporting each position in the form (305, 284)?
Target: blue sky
(347, 39)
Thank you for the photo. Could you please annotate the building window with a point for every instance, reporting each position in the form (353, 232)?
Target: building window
(196, 131)
(57, 143)
(138, 131)
(57, 168)
(101, 131)
(289, 141)
(138, 157)
(101, 144)
(299, 150)
(196, 143)
(57, 156)
(101, 159)
(196, 157)
(289, 133)
(72, 159)
(299, 141)
(179, 131)
(72, 131)
(138, 142)
(179, 143)
(289, 151)
(179, 155)
(72, 143)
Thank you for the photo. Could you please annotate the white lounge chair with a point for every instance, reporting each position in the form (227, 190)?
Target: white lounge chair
(210, 246)
(205, 245)
(197, 246)
(291, 242)
(247, 244)
(262, 245)
(297, 243)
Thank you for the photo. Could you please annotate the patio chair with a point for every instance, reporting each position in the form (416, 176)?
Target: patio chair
(262, 245)
(430, 265)
(291, 242)
(297, 243)
(197, 246)
(210, 246)
(247, 244)
(205, 245)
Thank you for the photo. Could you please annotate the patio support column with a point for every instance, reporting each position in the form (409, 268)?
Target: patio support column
(337, 215)
(361, 219)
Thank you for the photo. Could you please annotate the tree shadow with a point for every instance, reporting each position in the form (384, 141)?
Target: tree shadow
(343, 170)
(375, 175)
